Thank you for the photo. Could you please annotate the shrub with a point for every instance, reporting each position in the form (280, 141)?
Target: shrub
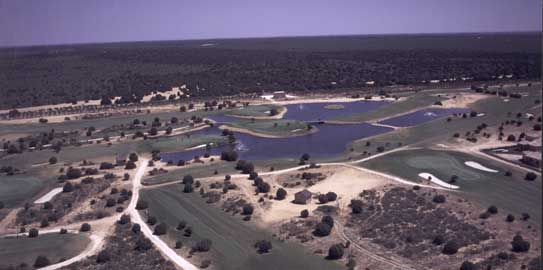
(73, 173)
(178, 244)
(44, 223)
(263, 246)
(182, 224)
(47, 206)
(151, 220)
(280, 194)
(484, 215)
(133, 157)
(525, 216)
(106, 166)
(263, 187)
(356, 206)
(530, 176)
(85, 227)
(511, 138)
(508, 173)
(439, 198)
(32, 233)
(160, 229)
(323, 199)
(68, 187)
(227, 177)
(519, 244)
(141, 205)
(202, 246)
(53, 160)
(136, 228)
(130, 165)
(335, 252)
(510, 218)
(103, 256)
(188, 188)
(492, 210)
(247, 209)
(143, 244)
(328, 220)
(63, 231)
(229, 155)
(322, 229)
(466, 265)
(124, 219)
(438, 240)
(332, 196)
(304, 213)
(41, 261)
(188, 179)
(110, 202)
(188, 232)
(450, 248)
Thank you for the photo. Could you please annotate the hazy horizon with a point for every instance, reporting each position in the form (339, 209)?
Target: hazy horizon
(30, 23)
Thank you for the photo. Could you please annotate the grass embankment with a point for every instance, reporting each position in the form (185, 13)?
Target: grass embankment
(271, 128)
(511, 194)
(232, 239)
(258, 111)
(494, 108)
(55, 246)
(412, 102)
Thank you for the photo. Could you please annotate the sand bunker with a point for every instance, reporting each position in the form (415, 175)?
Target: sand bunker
(49, 196)
(437, 181)
(478, 166)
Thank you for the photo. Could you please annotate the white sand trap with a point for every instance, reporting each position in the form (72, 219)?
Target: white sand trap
(197, 147)
(49, 196)
(478, 166)
(437, 181)
(442, 145)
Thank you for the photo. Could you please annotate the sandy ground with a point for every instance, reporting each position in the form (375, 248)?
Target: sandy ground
(478, 166)
(462, 100)
(49, 196)
(437, 181)
(347, 183)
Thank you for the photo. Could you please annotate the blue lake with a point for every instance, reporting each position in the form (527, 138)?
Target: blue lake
(421, 116)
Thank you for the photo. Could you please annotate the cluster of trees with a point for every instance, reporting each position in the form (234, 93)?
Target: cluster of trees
(324, 227)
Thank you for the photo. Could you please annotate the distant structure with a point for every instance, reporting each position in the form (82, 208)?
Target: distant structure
(120, 158)
(279, 95)
(302, 197)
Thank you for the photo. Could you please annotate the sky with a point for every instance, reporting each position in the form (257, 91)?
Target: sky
(37, 22)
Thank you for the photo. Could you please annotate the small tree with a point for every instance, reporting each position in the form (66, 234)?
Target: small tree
(188, 188)
(41, 261)
(202, 246)
(450, 248)
(85, 227)
(68, 187)
(33, 233)
(280, 194)
(263, 246)
(188, 179)
(53, 160)
(519, 244)
(136, 228)
(130, 165)
(335, 252)
(160, 229)
(467, 265)
(439, 198)
(322, 229)
(331, 196)
(530, 176)
(103, 257)
(247, 209)
(304, 213)
(492, 210)
(133, 157)
(142, 204)
(510, 218)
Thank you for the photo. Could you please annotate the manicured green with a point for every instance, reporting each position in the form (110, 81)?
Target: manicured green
(510, 194)
(232, 239)
(55, 246)
(253, 111)
(16, 188)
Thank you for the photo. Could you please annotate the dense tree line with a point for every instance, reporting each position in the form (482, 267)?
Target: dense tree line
(102, 71)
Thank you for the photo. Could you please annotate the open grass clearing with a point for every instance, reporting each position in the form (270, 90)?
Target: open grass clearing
(232, 239)
(55, 246)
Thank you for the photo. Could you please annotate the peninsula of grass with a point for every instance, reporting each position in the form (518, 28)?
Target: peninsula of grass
(272, 128)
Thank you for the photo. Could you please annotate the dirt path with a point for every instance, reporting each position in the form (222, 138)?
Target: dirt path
(136, 218)
(390, 262)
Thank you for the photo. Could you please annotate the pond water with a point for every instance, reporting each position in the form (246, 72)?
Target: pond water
(329, 140)
(422, 116)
